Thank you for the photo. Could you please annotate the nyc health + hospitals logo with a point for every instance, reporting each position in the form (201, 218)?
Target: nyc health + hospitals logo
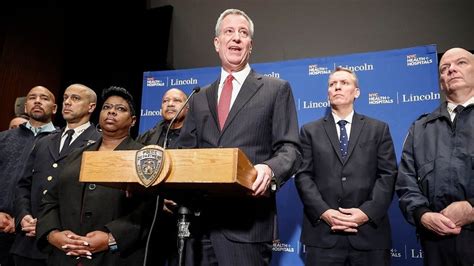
(279, 246)
(314, 70)
(377, 98)
(152, 82)
(414, 60)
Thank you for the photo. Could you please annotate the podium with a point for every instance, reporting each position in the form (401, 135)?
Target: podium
(215, 171)
(218, 172)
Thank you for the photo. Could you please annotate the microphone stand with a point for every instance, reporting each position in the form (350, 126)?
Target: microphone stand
(183, 212)
(183, 232)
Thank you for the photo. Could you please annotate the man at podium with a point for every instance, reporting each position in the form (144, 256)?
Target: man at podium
(246, 110)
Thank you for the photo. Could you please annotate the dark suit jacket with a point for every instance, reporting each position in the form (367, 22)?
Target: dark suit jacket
(262, 123)
(151, 136)
(364, 180)
(86, 207)
(40, 175)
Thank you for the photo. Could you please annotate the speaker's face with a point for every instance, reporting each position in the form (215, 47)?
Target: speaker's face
(234, 43)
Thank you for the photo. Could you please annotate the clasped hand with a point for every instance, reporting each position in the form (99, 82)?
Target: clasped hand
(345, 220)
(80, 246)
(450, 220)
(28, 225)
(7, 223)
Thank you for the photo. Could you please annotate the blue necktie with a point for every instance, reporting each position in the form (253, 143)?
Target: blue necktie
(343, 139)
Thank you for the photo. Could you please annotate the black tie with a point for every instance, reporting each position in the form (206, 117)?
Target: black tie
(457, 111)
(67, 142)
(343, 140)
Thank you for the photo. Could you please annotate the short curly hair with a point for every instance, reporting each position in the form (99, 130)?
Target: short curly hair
(121, 92)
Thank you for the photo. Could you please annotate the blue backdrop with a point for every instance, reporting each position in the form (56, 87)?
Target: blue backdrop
(396, 86)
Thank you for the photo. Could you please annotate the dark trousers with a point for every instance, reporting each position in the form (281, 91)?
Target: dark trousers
(6, 241)
(23, 261)
(215, 249)
(449, 250)
(163, 245)
(343, 254)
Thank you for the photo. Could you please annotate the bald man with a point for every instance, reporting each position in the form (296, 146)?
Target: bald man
(436, 173)
(172, 101)
(44, 164)
(15, 147)
(164, 238)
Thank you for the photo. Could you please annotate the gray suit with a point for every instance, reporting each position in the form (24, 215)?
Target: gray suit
(263, 124)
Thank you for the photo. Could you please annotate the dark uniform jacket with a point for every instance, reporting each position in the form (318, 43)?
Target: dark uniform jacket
(15, 148)
(86, 207)
(41, 173)
(437, 166)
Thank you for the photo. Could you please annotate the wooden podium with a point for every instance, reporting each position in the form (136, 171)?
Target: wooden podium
(214, 171)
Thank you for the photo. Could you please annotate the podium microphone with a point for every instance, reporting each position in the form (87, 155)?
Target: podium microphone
(158, 206)
(195, 90)
(183, 232)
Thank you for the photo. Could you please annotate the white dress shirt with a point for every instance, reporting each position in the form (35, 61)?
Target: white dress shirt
(239, 78)
(348, 126)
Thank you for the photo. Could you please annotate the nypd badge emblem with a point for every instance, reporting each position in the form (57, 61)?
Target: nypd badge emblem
(149, 162)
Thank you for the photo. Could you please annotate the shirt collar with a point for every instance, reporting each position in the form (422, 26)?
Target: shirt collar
(238, 76)
(78, 130)
(49, 127)
(348, 118)
(451, 105)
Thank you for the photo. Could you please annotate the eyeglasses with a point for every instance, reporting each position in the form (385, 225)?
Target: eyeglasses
(118, 107)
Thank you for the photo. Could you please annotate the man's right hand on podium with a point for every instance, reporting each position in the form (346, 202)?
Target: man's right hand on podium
(263, 180)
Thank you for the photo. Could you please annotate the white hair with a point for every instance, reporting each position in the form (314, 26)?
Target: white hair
(233, 11)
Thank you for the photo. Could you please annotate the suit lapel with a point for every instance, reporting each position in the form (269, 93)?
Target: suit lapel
(358, 123)
(251, 85)
(211, 95)
(330, 128)
(87, 136)
(82, 140)
(55, 143)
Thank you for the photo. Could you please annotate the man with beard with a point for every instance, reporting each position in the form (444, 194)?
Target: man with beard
(43, 167)
(164, 233)
(15, 147)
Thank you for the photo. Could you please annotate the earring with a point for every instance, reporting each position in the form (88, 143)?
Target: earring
(97, 128)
